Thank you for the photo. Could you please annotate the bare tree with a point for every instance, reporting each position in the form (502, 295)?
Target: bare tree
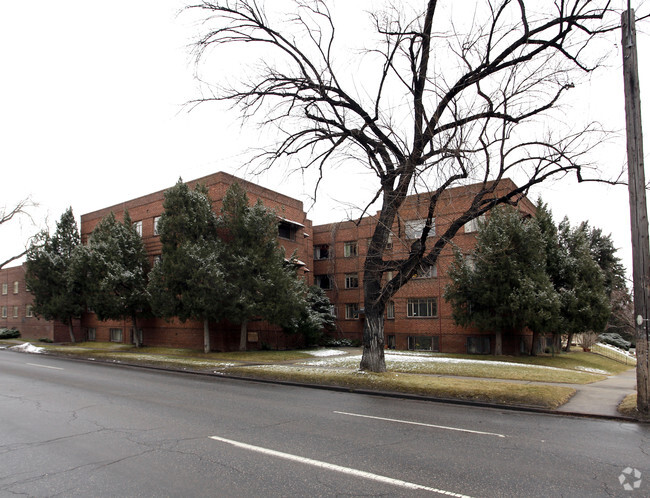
(425, 111)
(8, 214)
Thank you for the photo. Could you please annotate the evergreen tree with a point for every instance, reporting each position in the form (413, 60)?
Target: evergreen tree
(582, 289)
(315, 317)
(503, 286)
(56, 273)
(118, 272)
(263, 284)
(189, 281)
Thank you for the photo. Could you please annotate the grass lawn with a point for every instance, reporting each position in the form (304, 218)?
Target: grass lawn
(443, 387)
(421, 373)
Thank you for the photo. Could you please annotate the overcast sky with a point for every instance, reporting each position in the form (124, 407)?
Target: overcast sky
(91, 114)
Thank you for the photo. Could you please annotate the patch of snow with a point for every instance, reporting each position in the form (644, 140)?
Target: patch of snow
(27, 348)
(324, 352)
(592, 370)
(614, 348)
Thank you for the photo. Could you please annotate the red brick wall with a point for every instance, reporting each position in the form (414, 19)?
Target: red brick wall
(31, 328)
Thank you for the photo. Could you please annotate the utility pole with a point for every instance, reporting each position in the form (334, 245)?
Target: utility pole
(638, 209)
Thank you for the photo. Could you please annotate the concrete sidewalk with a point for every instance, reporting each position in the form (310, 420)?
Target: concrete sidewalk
(603, 397)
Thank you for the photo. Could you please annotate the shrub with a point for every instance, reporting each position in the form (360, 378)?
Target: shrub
(614, 339)
(9, 333)
(46, 339)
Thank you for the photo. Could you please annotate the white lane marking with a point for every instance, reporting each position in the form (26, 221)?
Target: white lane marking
(337, 468)
(422, 424)
(43, 366)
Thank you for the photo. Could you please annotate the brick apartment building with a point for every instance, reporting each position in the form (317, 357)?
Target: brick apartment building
(333, 255)
(417, 318)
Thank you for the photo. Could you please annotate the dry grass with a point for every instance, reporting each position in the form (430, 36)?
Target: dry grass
(627, 407)
(443, 387)
(492, 368)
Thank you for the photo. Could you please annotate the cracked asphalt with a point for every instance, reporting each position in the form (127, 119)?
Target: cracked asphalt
(81, 429)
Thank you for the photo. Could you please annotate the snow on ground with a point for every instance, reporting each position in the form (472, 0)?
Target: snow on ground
(27, 348)
(324, 352)
(614, 348)
(405, 357)
(592, 370)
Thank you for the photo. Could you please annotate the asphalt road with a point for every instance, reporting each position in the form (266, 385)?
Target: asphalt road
(71, 428)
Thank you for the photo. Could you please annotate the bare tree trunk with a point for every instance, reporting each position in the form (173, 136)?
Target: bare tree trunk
(136, 334)
(568, 342)
(206, 336)
(373, 343)
(243, 336)
(71, 330)
(498, 343)
(533, 346)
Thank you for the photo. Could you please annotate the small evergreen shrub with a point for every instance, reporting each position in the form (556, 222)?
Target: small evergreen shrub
(46, 339)
(9, 333)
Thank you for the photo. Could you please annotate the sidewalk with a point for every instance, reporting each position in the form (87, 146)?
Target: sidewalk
(601, 398)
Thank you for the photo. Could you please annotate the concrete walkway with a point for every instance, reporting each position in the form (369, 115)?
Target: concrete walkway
(601, 398)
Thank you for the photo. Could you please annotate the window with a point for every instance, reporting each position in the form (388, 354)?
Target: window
(473, 225)
(322, 251)
(15, 315)
(478, 345)
(422, 308)
(29, 311)
(351, 280)
(116, 335)
(16, 287)
(286, 230)
(5, 289)
(423, 343)
(137, 226)
(91, 334)
(426, 272)
(137, 334)
(323, 281)
(351, 311)
(389, 242)
(157, 258)
(390, 310)
(156, 220)
(350, 249)
(413, 228)
(334, 311)
(4, 312)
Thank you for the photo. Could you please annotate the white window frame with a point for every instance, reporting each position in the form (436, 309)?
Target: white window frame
(351, 280)
(137, 226)
(390, 310)
(5, 289)
(414, 307)
(350, 249)
(351, 311)
(413, 228)
(473, 225)
(116, 335)
(156, 220)
(29, 311)
(16, 287)
(430, 272)
(4, 312)
(15, 314)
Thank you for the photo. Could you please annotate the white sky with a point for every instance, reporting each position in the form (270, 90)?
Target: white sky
(91, 114)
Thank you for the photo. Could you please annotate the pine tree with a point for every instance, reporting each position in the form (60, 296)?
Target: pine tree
(118, 266)
(503, 287)
(582, 289)
(56, 273)
(189, 281)
(263, 283)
